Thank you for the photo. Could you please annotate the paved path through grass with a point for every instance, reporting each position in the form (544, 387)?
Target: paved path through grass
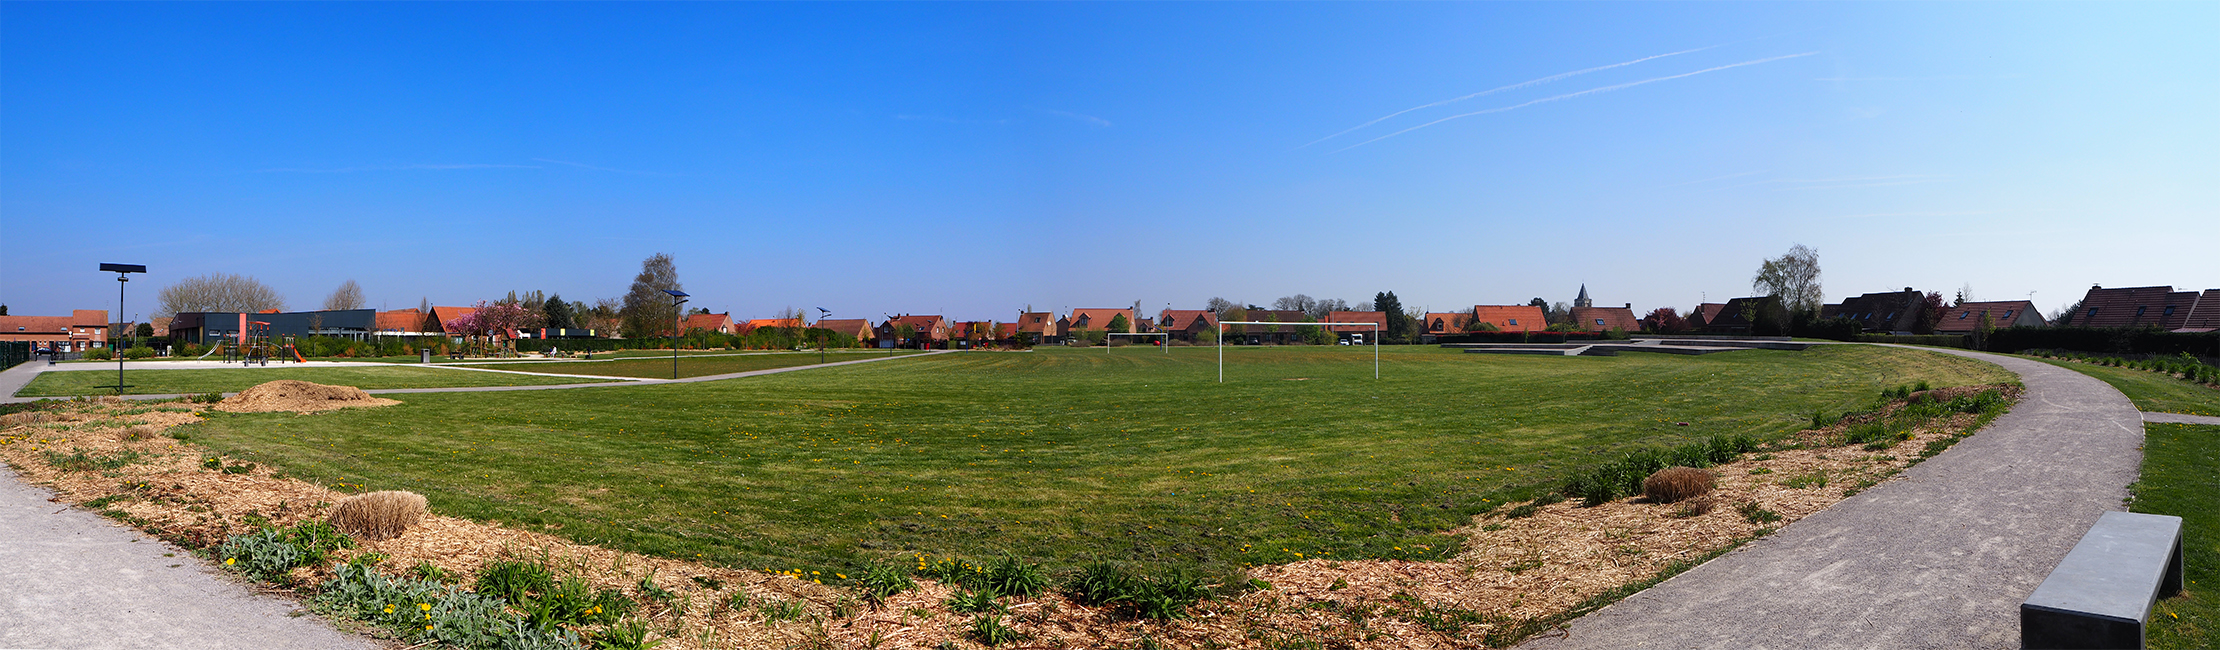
(71, 579)
(1939, 559)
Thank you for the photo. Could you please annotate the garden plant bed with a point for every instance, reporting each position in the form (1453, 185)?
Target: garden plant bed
(1517, 575)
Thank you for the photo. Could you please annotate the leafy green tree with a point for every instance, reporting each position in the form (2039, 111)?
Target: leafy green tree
(1399, 326)
(557, 313)
(1119, 323)
(1794, 278)
(648, 311)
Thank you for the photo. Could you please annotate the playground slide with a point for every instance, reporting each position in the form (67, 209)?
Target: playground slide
(211, 350)
(296, 354)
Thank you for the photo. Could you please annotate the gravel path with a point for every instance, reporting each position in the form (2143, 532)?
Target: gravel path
(1938, 559)
(72, 579)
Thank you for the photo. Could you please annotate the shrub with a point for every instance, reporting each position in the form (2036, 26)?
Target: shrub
(514, 581)
(990, 631)
(1757, 514)
(1674, 484)
(99, 354)
(138, 352)
(378, 515)
(881, 581)
(1102, 584)
(1009, 575)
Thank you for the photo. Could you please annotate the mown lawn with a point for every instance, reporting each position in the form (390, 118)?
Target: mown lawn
(1061, 456)
(2181, 477)
(690, 366)
(2152, 391)
(228, 380)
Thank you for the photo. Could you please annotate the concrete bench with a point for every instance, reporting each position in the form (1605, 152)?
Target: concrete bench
(2101, 595)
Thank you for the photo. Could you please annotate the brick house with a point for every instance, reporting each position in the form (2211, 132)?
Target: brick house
(855, 327)
(1894, 311)
(1604, 319)
(1269, 334)
(1186, 324)
(81, 330)
(1701, 317)
(1966, 317)
(717, 323)
(2161, 307)
(931, 332)
(1045, 327)
(1511, 318)
(1352, 332)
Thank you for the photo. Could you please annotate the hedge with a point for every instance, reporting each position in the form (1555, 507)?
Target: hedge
(2117, 340)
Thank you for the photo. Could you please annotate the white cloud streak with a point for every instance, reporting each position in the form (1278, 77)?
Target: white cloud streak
(1089, 119)
(1714, 178)
(1515, 86)
(1590, 91)
(592, 167)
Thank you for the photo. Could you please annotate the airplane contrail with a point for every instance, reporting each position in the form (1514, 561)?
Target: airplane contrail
(1590, 91)
(1515, 86)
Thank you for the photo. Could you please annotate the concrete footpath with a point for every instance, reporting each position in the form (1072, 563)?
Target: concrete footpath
(1940, 558)
(73, 579)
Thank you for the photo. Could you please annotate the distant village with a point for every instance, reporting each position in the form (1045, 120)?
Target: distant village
(1905, 311)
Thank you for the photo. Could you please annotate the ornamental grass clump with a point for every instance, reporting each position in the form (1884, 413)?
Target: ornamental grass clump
(378, 515)
(1674, 484)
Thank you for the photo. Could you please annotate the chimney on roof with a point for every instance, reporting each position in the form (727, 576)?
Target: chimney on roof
(1630, 306)
(1908, 289)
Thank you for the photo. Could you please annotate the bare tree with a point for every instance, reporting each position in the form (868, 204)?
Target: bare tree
(647, 309)
(1221, 306)
(1328, 306)
(347, 296)
(1793, 277)
(220, 292)
(1297, 302)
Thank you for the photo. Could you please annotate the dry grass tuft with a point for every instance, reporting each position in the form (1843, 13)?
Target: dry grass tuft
(1673, 484)
(378, 515)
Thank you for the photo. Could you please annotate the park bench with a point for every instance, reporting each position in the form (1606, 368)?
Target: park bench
(2101, 595)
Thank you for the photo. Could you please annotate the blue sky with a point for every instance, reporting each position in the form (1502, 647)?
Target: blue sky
(974, 159)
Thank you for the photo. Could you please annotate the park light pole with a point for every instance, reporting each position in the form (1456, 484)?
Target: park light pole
(123, 276)
(821, 314)
(678, 323)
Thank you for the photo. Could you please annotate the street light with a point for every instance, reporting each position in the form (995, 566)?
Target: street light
(821, 314)
(677, 324)
(123, 276)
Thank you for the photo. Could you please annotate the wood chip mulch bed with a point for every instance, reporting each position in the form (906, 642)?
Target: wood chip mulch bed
(1515, 576)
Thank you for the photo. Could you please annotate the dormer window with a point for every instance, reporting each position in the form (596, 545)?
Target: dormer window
(2092, 312)
(2169, 310)
(2007, 314)
(1599, 322)
(1964, 315)
(1514, 321)
(2139, 311)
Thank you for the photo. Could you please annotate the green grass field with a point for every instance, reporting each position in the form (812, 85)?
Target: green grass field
(227, 380)
(2181, 477)
(1061, 456)
(2152, 391)
(689, 365)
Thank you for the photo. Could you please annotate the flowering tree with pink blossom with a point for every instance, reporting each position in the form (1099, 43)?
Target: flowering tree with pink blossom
(494, 321)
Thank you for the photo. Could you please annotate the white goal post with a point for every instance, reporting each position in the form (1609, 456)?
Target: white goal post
(1222, 341)
(1167, 339)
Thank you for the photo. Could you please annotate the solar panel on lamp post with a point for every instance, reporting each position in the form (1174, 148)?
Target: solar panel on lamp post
(123, 276)
(678, 324)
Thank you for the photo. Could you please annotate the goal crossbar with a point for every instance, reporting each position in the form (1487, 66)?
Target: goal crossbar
(1222, 341)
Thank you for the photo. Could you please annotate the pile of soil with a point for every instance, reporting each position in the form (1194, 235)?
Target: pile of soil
(299, 397)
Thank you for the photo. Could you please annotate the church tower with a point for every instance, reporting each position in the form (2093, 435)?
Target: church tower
(1583, 300)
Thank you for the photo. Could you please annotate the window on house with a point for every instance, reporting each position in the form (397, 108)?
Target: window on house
(1892, 316)
(1514, 321)
(2169, 310)
(2139, 311)
(2007, 314)
(1964, 315)
(1599, 322)
(2092, 311)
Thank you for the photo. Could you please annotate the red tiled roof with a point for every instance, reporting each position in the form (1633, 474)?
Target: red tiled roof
(1705, 313)
(441, 316)
(1038, 322)
(1186, 320)
(1269, 315)
(400, 320)
(719, 323)
(2159, 306)
(2206, 316)
(1512, 318)
(856, 327)
(929, 327)
(1099, 319)
(1378, 318)
(81, 324)
(1445, 322)
(1005, 331)
(1600, 319)
(1966, 317)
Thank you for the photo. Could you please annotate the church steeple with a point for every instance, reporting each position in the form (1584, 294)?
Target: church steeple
(1583, 300)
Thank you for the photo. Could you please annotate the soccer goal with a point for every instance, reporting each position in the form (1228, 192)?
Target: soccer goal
(1167, 343)
(1222, 341)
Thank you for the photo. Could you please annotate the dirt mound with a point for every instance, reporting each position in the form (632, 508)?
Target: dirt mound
(298, 396)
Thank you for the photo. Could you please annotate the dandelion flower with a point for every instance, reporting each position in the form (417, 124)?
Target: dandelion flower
(230, 561)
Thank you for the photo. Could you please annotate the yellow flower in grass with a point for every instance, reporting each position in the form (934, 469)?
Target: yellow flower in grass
(230, 560)
(424, 606)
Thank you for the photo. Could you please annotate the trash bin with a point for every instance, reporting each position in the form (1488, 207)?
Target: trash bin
(424, 355)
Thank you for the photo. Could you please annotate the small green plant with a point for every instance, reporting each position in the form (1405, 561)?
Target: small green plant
(207, 398)
(654, 593)
(952, 571)
(212, 462)
(629, 635)
(1011, 576)
(775, 610)
(514, 581)
(1757, 514)
(425, 570)
(709, 583)
(990, 631)
(239, 468)
(737, 600)
(970, 602)
(881, 581)
(82, 461)
(1804, 481)
(1760, 470)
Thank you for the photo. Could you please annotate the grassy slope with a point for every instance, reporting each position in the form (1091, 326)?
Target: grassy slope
(1063, 455)
(226, 380)
(654, 366)
(2181, 477)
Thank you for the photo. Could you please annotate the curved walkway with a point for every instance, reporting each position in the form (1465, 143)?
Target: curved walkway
(72, 579)
(1938, 559)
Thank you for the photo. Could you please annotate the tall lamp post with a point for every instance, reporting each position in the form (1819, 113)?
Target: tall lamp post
(821, 314)
(123, 276)
(678, 323)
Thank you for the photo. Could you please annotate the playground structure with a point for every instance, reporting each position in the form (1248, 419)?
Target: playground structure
(257, 346)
